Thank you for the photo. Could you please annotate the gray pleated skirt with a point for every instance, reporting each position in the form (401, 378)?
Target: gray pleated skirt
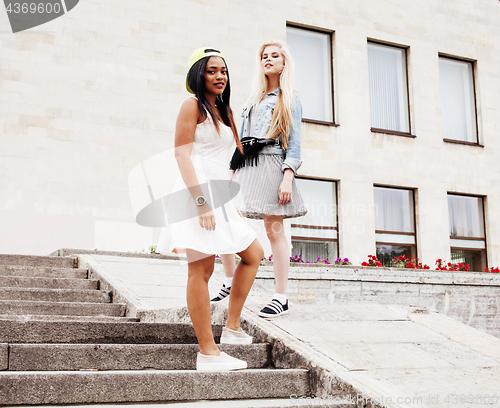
(260, 190)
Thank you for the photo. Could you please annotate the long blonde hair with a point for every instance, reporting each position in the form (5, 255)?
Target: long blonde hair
(282, 121)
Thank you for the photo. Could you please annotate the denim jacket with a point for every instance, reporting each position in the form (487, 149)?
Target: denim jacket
(291, 157)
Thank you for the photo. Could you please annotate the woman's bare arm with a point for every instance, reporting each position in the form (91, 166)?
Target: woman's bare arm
(184, 139)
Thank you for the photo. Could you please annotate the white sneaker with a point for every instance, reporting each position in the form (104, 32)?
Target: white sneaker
(274, 309)
(219, 363)
(230, 336)
(223, 293)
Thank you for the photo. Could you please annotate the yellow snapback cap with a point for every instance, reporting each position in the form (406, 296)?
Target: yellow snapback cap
(199, 54)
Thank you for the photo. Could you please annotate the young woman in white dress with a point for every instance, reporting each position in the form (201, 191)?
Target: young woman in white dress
(205, 136)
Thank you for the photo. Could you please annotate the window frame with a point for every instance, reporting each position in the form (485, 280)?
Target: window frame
(405, 48)
(485, 249)
(330, 34)
(335, 228)
(473, 64)
(413, 234)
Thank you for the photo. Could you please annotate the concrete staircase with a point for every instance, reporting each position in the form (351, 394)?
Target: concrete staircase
(63, 341)
(52, 288)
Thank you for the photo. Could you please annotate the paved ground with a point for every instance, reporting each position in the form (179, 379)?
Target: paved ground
(398, 356)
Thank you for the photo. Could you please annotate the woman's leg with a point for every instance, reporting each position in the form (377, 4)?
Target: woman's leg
(244, 276)
(200, 269)
(280, 248)
(229, 264)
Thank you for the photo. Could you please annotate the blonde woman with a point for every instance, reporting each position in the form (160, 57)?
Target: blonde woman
(271, 120)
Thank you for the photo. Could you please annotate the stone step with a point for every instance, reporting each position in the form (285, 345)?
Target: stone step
(59, 318)
(22, 307)
(35, 260)
(43, 271)
(55, 295)
(4, 356)
(54, 283)
(75, 357)
(64, 331)
(290, 402)
(70, 387)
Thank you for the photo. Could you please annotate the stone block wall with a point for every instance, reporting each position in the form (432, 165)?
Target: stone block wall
(88, 96)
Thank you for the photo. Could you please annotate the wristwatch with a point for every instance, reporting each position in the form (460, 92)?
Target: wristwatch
(200, 201)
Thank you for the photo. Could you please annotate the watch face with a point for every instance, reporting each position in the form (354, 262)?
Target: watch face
(200, 200)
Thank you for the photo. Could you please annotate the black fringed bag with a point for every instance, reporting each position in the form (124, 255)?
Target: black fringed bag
(251, 149)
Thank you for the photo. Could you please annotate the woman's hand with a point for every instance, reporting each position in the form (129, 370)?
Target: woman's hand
(285, 190)
(206, 217)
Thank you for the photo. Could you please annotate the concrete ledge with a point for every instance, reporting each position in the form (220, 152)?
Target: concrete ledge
(35, 260)
(74, 357)
(72, 252)
(123, 292)
(69, 387)
(398, 275)
(4, 356)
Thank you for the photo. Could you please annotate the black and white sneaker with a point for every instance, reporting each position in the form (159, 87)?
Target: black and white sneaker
(274, 309)
(224, 293)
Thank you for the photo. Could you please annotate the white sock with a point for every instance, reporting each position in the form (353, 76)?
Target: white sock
(280, 297)
(228, 282)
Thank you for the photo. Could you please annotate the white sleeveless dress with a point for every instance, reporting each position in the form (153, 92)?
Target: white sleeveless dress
(210, 156)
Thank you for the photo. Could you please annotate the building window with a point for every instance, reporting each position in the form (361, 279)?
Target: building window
(394, 224)
(467, 238)
(311, 51)
(315, 234)
(457, 100)
(388, 88)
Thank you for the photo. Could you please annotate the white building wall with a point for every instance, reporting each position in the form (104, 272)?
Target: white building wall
(87, 97)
